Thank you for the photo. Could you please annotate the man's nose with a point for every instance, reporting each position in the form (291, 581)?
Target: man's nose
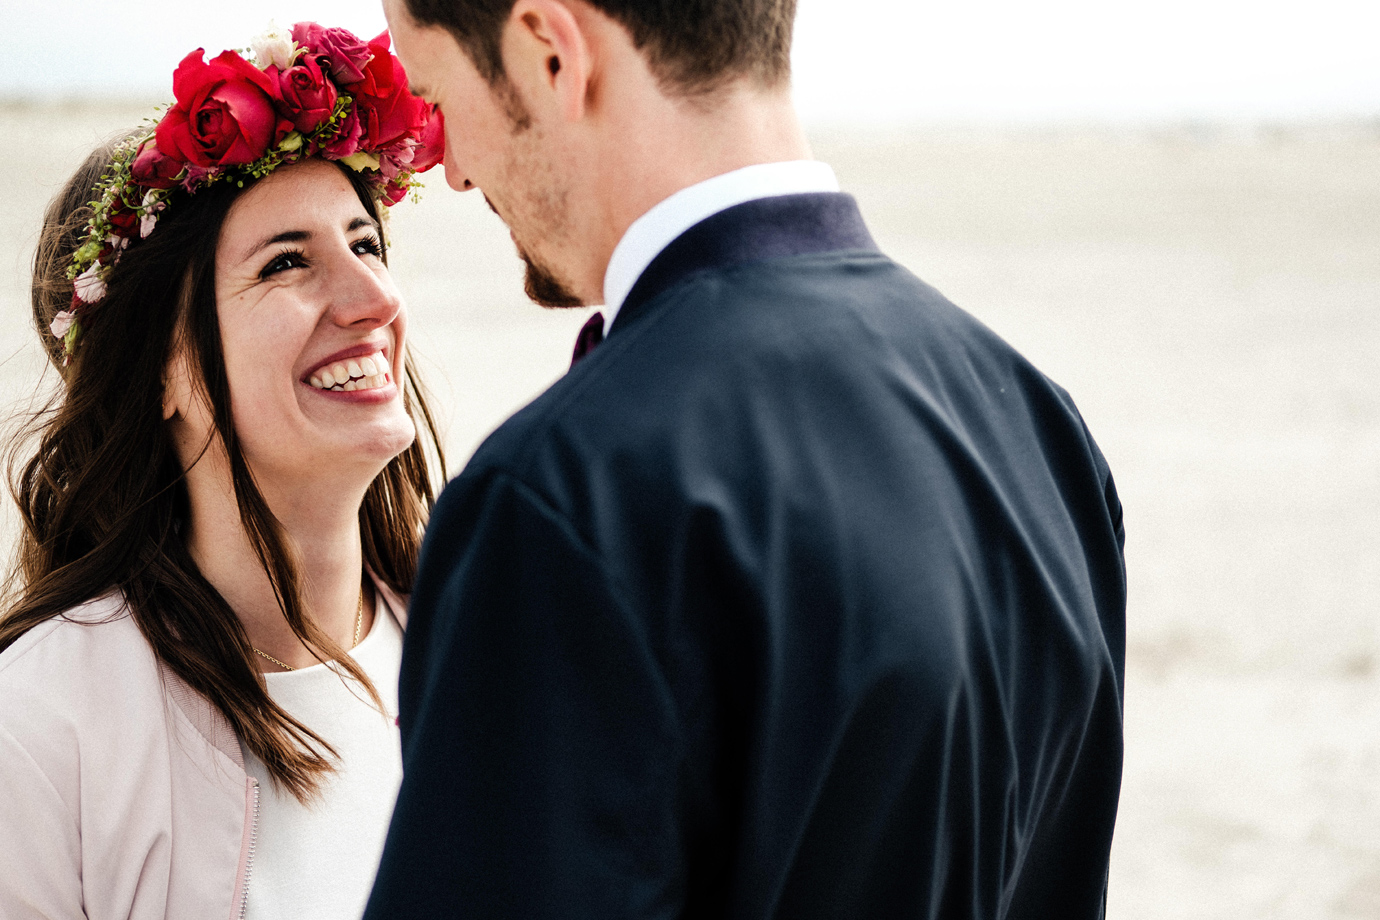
(457, 177)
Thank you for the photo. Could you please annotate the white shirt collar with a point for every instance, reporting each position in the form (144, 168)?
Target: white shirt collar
(655, 230)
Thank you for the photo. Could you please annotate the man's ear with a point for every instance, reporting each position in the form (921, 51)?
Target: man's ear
(548, 55)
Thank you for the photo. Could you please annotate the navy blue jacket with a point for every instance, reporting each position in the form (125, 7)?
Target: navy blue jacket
(801, 596)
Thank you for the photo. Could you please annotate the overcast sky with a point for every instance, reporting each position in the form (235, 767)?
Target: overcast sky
(867, 60)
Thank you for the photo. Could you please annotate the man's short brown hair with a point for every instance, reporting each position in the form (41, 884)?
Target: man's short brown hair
(692, 46)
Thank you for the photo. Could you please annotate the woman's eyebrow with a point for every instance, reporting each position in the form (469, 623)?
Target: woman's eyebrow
(303, 236)
(287, 236)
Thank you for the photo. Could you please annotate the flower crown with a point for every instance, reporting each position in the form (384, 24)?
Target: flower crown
(312, 92)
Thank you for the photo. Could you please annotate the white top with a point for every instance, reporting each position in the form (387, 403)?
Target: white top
(655, 230)
(319, 861)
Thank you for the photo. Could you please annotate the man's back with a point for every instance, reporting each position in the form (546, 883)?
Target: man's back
(801, 596)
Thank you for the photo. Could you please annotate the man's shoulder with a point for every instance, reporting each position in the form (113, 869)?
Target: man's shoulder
(809, 309)
(796, 334)
(731, 346)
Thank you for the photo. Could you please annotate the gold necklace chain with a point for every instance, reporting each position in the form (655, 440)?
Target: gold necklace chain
(359, 623)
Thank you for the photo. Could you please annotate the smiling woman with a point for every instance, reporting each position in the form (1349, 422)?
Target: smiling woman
(222, 509)
(303, 295)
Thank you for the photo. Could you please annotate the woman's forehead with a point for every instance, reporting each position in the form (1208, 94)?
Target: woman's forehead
(313, 194)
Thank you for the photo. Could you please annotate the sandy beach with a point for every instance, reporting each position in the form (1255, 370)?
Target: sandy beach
(1209, 296)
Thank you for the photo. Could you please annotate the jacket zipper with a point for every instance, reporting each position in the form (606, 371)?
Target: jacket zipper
(249, 857)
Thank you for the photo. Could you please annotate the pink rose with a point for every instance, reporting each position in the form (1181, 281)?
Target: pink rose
(62, 321)
(198, 177)
(307, 97)
(224, 114)
(152, 169)
(90, 285)
(397, 158)
(344, 53)
(346, 140)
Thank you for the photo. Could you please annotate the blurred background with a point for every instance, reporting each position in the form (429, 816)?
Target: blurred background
(1173, 209)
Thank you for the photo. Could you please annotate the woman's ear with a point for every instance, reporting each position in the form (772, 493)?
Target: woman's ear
(177, 386)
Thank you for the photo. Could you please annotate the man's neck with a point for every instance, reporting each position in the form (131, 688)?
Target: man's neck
(676, 143)
(668, 219)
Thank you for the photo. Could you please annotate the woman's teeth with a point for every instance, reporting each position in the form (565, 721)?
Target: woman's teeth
(367, 373)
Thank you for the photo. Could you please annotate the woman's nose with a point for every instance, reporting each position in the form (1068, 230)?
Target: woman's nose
(363, 294)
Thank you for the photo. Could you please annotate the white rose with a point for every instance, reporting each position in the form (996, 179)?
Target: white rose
(273, 47)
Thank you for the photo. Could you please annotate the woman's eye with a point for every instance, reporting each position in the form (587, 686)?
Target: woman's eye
(282, 262)
(368, 246)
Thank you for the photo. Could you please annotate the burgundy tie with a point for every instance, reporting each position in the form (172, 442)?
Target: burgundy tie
(591, 334)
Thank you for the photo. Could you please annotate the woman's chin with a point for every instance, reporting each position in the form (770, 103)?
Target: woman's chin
(380, 443)
(343, 457)
(371, 422)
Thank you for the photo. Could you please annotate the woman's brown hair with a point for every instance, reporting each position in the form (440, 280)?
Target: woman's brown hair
(102, 498)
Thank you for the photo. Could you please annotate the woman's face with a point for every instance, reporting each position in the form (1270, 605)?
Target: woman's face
(312, 330)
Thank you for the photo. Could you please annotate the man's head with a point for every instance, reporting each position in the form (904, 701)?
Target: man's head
(693, 46)
(576, 116)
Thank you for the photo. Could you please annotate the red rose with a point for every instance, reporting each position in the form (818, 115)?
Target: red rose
(431, 146)
(418, 150)
(387, 110)
(343, 52)
(123, 221)
(152, 169)
(224, 114)
(393, 192)
(307, 97)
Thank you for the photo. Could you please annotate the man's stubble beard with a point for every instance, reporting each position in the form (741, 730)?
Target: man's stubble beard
(539, 194)
(543, 287)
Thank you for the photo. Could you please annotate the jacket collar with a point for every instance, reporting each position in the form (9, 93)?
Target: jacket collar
(766, 228)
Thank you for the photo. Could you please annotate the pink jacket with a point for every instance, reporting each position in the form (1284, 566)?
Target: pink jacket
(123, 793)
